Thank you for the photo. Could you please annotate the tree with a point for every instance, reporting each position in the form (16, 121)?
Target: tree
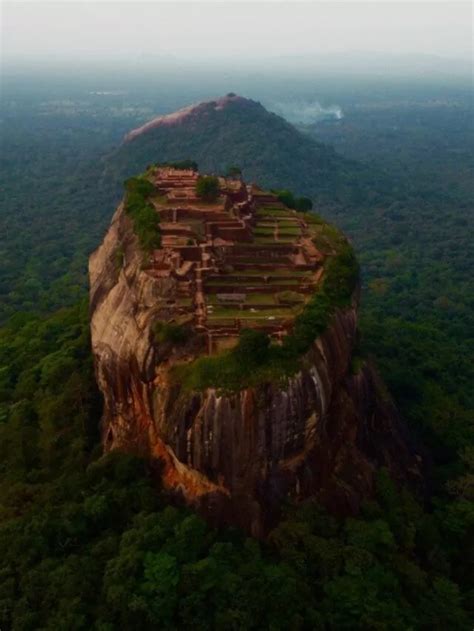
(304, 204)
(234, 172)
(207, 187)
(252, 347)
(287, 198)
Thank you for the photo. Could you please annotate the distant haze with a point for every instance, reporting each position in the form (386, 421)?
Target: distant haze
(236, 33)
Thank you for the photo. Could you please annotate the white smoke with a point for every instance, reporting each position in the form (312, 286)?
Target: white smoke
(306, 113)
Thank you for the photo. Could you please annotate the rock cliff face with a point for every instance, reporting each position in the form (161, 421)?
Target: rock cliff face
(236, 456)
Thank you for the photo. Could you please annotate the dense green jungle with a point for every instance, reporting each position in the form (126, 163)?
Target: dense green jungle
(86, 541)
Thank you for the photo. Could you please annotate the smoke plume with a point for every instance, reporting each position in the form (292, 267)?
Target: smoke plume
(305, 112)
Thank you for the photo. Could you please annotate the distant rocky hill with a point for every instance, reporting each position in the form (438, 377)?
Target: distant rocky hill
(235, 131)
(224, 327)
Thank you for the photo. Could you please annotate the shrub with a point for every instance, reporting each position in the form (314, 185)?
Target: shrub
(341, 276)
(303, 204)
(176, 334)
(207, 187)
(119, 257)
(184, 165)
(252, 347)
(139, 186)
(234, 171)
(252, 361)
(309, 324)
(287, 198)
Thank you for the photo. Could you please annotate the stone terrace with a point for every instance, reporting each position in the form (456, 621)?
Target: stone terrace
(245, 260)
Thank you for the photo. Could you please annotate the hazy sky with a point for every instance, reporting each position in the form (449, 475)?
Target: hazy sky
(198, 30)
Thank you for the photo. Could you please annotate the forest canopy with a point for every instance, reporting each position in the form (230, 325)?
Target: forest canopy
(88, 541)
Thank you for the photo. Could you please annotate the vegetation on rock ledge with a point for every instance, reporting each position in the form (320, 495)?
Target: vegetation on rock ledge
(254, 360)
(303, 204)
(169, 332)
(145, 218)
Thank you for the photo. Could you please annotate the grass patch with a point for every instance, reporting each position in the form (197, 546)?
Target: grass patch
(221, 322)
(243, 314)
(264, 230)
(264, 240)
(289, 230)
(250, 284)
(261, 260)
(273, 212)
(286, 239)
(312, 218)
(260, 299)
(284, 282)
(250, 299)
(285, 223)
(290, 297)
(249, 247)
(277, 273)
(225, 280)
